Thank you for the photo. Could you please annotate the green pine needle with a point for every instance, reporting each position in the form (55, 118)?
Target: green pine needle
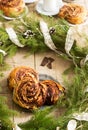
(5, 115)
(40, 121)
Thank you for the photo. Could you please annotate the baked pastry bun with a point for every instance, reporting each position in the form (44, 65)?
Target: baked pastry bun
(73, 13)
(12, 8)
(54, 90)
(29, 92)
(29, 95)
(19, 73)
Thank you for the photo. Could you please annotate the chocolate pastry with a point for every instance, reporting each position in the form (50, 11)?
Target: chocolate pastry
(29, 95)
(28, 92)
(19, 73)
(54, 90)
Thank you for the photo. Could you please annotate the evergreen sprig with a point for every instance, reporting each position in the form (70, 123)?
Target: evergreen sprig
(6, 45)
(40, 121)
(5, 115)
(35, 43)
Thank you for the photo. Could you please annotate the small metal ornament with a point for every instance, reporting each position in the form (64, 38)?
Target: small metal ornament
(51, 30)
(28, 34)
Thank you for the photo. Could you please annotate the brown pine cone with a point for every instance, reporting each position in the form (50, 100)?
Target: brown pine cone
(19, 73)
(29, 95)
(53, 91)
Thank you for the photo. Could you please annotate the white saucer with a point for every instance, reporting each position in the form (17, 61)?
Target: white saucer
(20, 16)
(39, 8)
(29, 1)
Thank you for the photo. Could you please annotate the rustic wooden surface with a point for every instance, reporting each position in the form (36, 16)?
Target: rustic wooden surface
(34, 61)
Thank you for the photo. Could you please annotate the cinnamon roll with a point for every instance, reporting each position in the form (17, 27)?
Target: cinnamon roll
(12, 8)
(29, 92)
(73, 13)
(54, 90)
(29, 95)
(19, 73)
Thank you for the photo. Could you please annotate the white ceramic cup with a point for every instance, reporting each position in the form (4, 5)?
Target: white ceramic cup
(52, 5)
(49, 5)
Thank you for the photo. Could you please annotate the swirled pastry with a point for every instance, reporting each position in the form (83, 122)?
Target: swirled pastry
(29, 92)
(29, 95)
(19, 73)
(54, 90)
(12, 8)
(73, 13)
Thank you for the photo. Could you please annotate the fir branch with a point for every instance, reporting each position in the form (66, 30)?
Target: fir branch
(5, 115)
(75, 91)
(40, 121)
(36, 43)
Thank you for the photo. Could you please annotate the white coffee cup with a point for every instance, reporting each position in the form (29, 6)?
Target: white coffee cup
(51, 5)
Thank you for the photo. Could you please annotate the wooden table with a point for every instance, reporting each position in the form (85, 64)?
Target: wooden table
(34, 61)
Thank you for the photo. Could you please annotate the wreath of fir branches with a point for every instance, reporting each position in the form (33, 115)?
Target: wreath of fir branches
(29, 34)
(75, 99)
